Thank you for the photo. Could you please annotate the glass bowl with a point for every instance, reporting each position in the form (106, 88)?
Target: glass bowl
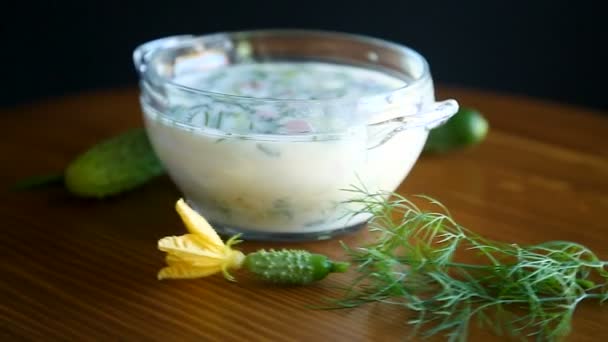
(263, 130)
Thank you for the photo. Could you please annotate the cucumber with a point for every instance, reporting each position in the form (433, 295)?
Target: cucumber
(113, 166)
(468, 127)
(291, 267)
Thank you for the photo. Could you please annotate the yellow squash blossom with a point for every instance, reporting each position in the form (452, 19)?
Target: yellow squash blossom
(201, 252)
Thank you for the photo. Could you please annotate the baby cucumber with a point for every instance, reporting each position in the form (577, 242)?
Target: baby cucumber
(291, 267)
(467, 127)
(113, 166)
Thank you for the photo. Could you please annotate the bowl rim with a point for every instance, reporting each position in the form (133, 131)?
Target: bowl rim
(150, 50)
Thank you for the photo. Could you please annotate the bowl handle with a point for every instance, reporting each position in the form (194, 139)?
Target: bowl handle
(141, 55)
(436, 115)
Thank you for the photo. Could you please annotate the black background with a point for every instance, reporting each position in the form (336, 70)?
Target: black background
(549, 49)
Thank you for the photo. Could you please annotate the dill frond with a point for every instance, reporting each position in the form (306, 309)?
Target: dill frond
(522, 291)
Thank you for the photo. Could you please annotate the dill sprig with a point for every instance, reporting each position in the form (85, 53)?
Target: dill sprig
(414, 262)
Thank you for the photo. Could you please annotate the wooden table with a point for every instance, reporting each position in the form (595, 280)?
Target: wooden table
(75, 269)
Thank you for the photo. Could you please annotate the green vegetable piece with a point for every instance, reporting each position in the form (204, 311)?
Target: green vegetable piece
(113, 166)
(291, 267)
(468, 127)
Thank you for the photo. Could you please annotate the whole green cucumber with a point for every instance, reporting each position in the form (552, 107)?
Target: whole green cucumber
(467, 127)
(291, 267)
(113, 166)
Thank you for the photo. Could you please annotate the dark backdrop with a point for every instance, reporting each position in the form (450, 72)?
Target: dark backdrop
(551, 49)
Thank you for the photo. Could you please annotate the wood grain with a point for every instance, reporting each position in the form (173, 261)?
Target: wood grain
(75, 269)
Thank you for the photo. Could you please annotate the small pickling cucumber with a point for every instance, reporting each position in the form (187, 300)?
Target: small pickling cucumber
(113, 166)
(467, 127)
(291, 267)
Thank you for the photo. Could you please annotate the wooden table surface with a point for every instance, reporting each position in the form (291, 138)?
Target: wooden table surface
(73, 269)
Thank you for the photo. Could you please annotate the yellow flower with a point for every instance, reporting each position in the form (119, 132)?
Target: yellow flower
(201, 252)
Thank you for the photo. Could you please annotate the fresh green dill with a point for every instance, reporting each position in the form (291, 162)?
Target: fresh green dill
(414, 262)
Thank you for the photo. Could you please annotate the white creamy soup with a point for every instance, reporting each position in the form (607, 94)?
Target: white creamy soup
(280, 166)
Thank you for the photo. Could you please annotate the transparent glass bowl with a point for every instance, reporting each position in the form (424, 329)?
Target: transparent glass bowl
(284, 182)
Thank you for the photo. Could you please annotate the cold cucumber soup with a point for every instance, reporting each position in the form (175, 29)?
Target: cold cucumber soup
(279, 165)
